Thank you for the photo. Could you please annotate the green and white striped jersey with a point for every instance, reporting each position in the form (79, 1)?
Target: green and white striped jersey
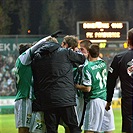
(95, 75)
(78, 77)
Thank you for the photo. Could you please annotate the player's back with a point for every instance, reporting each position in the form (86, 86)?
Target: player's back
(98, 73)
(23, 74)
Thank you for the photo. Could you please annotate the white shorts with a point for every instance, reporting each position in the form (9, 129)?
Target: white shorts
(96, 118)
(23, 111)
(79, 107)
(37, 123)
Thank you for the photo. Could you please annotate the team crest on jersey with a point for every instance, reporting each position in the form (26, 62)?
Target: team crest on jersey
(130, 68)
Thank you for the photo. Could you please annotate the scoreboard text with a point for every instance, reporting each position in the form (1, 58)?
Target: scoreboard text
(111, 31)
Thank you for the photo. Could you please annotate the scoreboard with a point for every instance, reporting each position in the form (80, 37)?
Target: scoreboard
(107, 30)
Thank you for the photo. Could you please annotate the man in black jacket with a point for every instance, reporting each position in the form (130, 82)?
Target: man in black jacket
(122, 67)
(53, 79)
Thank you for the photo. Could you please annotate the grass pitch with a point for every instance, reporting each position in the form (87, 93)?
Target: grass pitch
(7, 123)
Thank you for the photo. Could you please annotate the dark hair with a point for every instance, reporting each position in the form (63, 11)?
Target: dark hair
(94, 50)
(86, 43)
(23, 48)
(130, 36)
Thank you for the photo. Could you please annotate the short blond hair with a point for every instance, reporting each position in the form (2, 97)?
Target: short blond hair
(52, 39)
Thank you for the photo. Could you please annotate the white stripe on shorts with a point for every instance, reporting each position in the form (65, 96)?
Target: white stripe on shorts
(23, 111)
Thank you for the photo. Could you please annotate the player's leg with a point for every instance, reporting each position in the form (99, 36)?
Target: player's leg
(23, 130)
(80, 109)
(67, 130)
(93, 116)
(108, 132)
(23, 112)
(89, 132)
(69, 116)
(37, 123)
(51, 118)
(128, 132)
(65, 126)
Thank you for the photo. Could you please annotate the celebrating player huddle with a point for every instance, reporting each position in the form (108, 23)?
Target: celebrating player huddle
(62, 84)
(54, 93)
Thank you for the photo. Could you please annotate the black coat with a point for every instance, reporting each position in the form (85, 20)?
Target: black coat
(119, 68)
(53, 76)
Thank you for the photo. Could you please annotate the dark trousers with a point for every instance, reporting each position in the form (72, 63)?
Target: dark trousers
(67, 114)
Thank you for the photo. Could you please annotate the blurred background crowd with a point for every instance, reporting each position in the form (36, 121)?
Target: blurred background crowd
(7, 78)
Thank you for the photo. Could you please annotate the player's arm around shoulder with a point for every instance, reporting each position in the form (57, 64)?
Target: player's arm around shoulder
(83, 88)
(76, 57)
(25, 57)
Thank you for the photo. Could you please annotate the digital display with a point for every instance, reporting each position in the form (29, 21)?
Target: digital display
(110, 31)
